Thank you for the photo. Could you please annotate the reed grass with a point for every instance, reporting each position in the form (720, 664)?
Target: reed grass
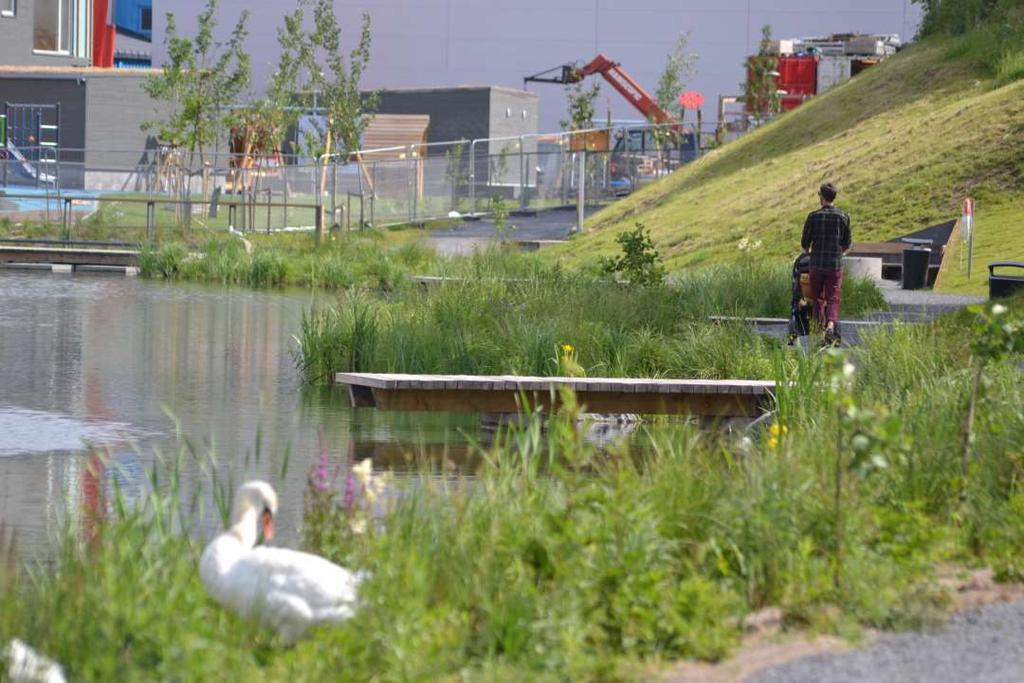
(500, 313)
(557, 561)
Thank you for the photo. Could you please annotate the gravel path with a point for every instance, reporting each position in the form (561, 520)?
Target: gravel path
(985, 645)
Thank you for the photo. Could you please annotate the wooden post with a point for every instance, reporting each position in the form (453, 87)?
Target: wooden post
(581, 192)
(320, 222)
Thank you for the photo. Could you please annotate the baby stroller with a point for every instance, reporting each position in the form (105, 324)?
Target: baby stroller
(802, 303)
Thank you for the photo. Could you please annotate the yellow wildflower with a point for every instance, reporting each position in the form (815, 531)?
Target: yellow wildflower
(567, 349)
(773, 443)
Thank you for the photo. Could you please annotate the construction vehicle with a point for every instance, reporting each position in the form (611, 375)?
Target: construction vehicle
(617, 77)
(629, 150)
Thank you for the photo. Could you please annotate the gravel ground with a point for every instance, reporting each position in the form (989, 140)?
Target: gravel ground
(984, 645)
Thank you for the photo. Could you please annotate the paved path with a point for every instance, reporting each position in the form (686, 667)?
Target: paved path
(985, 645)
(904, 305)
(551, 224)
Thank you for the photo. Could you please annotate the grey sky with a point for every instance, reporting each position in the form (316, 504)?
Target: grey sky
(422, 43)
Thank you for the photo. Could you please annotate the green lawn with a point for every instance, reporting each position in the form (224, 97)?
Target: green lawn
(904, 142)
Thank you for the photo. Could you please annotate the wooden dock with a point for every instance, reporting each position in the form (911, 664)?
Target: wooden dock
(73, 256)
(767, 322)
(505, 393)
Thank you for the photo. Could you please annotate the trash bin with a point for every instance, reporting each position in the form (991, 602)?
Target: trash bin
(915, 267)
(1004, 285)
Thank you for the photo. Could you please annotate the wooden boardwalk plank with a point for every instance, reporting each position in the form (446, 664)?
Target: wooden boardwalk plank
(783, 321)
(503, 393)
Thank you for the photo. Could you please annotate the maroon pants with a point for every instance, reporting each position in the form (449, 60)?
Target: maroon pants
(825, 286)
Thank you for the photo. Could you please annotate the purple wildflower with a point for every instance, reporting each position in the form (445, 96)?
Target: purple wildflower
(349, 501)
(319, 479)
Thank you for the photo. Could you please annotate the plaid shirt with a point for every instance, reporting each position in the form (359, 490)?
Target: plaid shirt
(827, 235)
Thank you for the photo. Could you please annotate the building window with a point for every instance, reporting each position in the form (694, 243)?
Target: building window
(61, 26)
(8, 8)
(146, 18)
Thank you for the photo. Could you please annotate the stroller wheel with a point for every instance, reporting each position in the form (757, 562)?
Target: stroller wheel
(831, 339)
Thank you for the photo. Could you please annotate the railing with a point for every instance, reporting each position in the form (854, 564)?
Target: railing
(397, 185)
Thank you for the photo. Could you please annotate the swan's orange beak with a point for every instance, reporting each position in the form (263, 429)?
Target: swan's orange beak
(268, 525)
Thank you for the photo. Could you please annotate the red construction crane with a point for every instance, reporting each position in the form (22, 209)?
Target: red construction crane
(618, 78)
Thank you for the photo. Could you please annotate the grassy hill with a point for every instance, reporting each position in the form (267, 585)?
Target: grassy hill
(904, 142)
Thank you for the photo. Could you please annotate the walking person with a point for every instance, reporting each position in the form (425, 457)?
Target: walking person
(826, 238)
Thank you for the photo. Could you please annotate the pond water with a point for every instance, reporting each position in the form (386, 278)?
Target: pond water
(131, 366)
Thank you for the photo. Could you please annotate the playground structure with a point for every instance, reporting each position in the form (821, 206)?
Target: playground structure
(30, 138)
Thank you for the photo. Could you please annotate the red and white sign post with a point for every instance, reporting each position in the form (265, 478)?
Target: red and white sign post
(967, 232)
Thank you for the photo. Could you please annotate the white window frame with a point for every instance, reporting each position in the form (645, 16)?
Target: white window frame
(78, 28)
(10, 8)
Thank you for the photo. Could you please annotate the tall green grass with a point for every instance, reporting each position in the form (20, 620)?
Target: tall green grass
(559, 562)
(502, 314)
(352, 260)
(989, 33)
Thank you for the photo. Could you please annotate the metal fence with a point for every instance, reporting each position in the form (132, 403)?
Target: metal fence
(416, 184)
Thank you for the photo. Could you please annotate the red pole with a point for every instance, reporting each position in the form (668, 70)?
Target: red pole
(103, 34)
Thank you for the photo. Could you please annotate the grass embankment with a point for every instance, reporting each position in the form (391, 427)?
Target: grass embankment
(506, 313)
(560, 563)
(904, 141)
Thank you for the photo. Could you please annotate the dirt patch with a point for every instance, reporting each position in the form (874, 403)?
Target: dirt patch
(765, 644)
(977, 587)
(756, 653)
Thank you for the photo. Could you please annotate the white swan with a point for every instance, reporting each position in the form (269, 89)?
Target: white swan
(282, 589)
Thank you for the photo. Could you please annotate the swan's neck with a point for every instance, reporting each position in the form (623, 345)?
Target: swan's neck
(246, 527)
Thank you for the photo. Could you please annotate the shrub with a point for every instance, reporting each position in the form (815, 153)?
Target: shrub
(639, 262)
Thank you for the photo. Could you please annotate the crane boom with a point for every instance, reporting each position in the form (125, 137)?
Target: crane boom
(617, 77)
(628, 88)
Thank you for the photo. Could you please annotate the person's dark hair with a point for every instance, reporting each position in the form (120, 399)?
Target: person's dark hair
(828, 192)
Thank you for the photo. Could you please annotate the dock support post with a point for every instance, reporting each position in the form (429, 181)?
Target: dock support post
(66, 219)
(151, 221)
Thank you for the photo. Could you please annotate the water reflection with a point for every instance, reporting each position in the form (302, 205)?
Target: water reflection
(131, 365)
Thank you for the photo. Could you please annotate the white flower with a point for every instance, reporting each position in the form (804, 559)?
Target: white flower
(363, 471)
(744, 244)
(848, 370)
(756, 245)
(357, 525)
(998, 309)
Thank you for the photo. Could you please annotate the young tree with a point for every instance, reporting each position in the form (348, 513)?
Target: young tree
(581, 105)
(680, 66)
(202, 78)
(265, 121)
(760, 91)
(347, 111)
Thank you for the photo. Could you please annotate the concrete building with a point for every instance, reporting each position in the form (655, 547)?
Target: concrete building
(59, 32)
(439, 43)
(57, 94)
(46, 32)
(94, 116)
(467, 112)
